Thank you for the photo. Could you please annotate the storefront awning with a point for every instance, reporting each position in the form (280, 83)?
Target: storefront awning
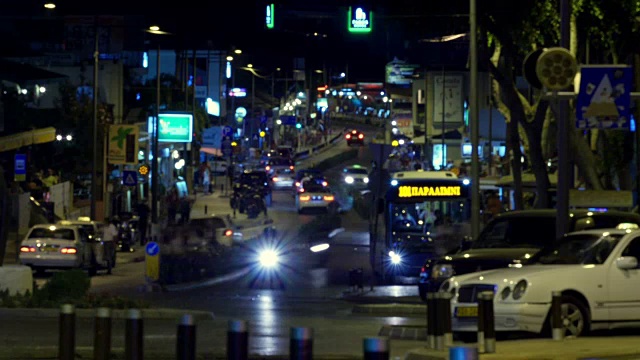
(33, 137)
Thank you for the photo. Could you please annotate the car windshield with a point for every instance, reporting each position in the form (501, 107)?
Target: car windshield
(280, 162)
(287, 172)
(356, 171)
(578, 249)
(55, 233)
(517, 232)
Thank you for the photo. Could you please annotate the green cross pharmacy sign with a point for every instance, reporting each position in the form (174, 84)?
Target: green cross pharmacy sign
(175, 128)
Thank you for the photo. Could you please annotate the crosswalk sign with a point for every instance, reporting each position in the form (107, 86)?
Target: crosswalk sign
(604, 99)
(129, 178)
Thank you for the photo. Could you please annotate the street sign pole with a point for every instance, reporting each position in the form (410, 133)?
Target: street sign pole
(562, 189)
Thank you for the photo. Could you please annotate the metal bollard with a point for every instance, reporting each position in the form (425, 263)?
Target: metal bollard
(238, 340)
(301, 343)
(463, 353)
(376, 348)
(102, 334)
(431, 320)
(445, 309)
(556, 315)
(206, 208)
(489, 322)
(67, 333)
(186, 342)
(133, 336)
(439, 326)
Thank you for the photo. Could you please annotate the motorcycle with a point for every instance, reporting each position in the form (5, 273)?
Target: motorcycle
(255, 204)
(127, 231)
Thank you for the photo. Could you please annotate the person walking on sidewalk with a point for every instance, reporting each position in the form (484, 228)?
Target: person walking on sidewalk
(143, 215)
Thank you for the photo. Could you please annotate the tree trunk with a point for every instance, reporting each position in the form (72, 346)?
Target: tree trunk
(516, 166)
(585, 160)
(539, 168)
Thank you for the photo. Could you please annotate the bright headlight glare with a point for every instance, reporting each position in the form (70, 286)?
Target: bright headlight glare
(348, 180)
(268, 258)
(395, 258)
(519, 289)
(319, 248)
(366, 180)
(505, 293)
(442, 271)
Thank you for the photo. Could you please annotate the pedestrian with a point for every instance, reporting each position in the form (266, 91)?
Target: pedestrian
(206, 179)
(143, 220)
(185, 210)
(172, 205)
(110, 232)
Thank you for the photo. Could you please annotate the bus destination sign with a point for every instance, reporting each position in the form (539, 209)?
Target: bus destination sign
(424, 191)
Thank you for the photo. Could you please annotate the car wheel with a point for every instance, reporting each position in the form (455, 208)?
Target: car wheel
(575, 317)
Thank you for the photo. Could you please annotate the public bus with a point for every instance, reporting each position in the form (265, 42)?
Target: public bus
(426, 214)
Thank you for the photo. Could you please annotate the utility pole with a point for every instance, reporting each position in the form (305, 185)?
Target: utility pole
(474, 122)
(96, 159)
(155, 177)
(564, 171)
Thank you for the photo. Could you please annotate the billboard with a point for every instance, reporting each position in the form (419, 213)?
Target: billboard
(123, 144)
(173, 127)
(400, 73)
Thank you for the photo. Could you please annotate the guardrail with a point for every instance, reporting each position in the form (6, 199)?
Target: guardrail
(306, 153)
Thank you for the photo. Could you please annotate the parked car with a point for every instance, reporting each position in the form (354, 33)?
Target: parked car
(511, 238)
(49, 246)
(314, 195)
(226, 231)
(596, 272)
(105, 250)
(256, 178)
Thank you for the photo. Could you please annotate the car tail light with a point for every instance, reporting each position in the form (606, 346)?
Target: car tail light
(228, 232)
(275, 179)
(301, 190)
(69, 251)
(27, 249)
(328, 198)
(361, 136)
(348, 136)
(423, 270)
(324, 183)
(305, 197)
(267, 168)
(291, 167)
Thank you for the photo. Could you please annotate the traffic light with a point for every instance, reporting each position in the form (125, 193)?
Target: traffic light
(298, 126)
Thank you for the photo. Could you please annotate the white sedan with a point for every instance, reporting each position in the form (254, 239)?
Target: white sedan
(596, 271)
(314, 196)
(356, 176)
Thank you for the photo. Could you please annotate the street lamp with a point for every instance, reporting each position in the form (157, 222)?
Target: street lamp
(156, 125)
(50, 6)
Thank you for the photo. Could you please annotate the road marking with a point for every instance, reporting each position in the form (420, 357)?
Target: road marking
(215, 281)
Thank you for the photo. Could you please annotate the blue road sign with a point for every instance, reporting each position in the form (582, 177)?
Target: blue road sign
(20, 167)
(152, 248)
(227, 131)
(129, 178)
(604, 97)
(288, 120)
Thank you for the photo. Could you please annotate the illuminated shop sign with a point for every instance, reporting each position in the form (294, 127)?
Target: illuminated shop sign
(269, 19)
(422, 191)
(359, 20)
(238, 92)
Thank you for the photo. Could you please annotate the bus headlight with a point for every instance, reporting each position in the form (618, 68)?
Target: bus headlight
(268, 258)
(366, 180)
(395, 258)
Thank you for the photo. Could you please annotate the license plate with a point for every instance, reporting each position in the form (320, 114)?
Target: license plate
(466, 312)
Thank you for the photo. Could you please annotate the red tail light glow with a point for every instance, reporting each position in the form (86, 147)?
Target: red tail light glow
(361, 136)
(275, 179)
(423, 270)
(27, 249)
(228, 232)
(291, 167)
(324, 183)
(268, 168)
(69, 251)
(348, 136)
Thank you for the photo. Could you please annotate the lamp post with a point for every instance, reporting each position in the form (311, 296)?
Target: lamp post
(96, 159)
(156, 125)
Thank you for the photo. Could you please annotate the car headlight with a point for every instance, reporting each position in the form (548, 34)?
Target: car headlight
(504, 294)
(395, 258)
(268, 258)
(519, 289)
(442, 271)
(366, 180)
(319, 247)
(348, 180)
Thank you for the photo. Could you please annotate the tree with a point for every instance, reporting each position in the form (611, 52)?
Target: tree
(513, 30)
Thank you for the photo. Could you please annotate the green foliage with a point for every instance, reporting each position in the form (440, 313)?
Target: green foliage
(68, 287)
